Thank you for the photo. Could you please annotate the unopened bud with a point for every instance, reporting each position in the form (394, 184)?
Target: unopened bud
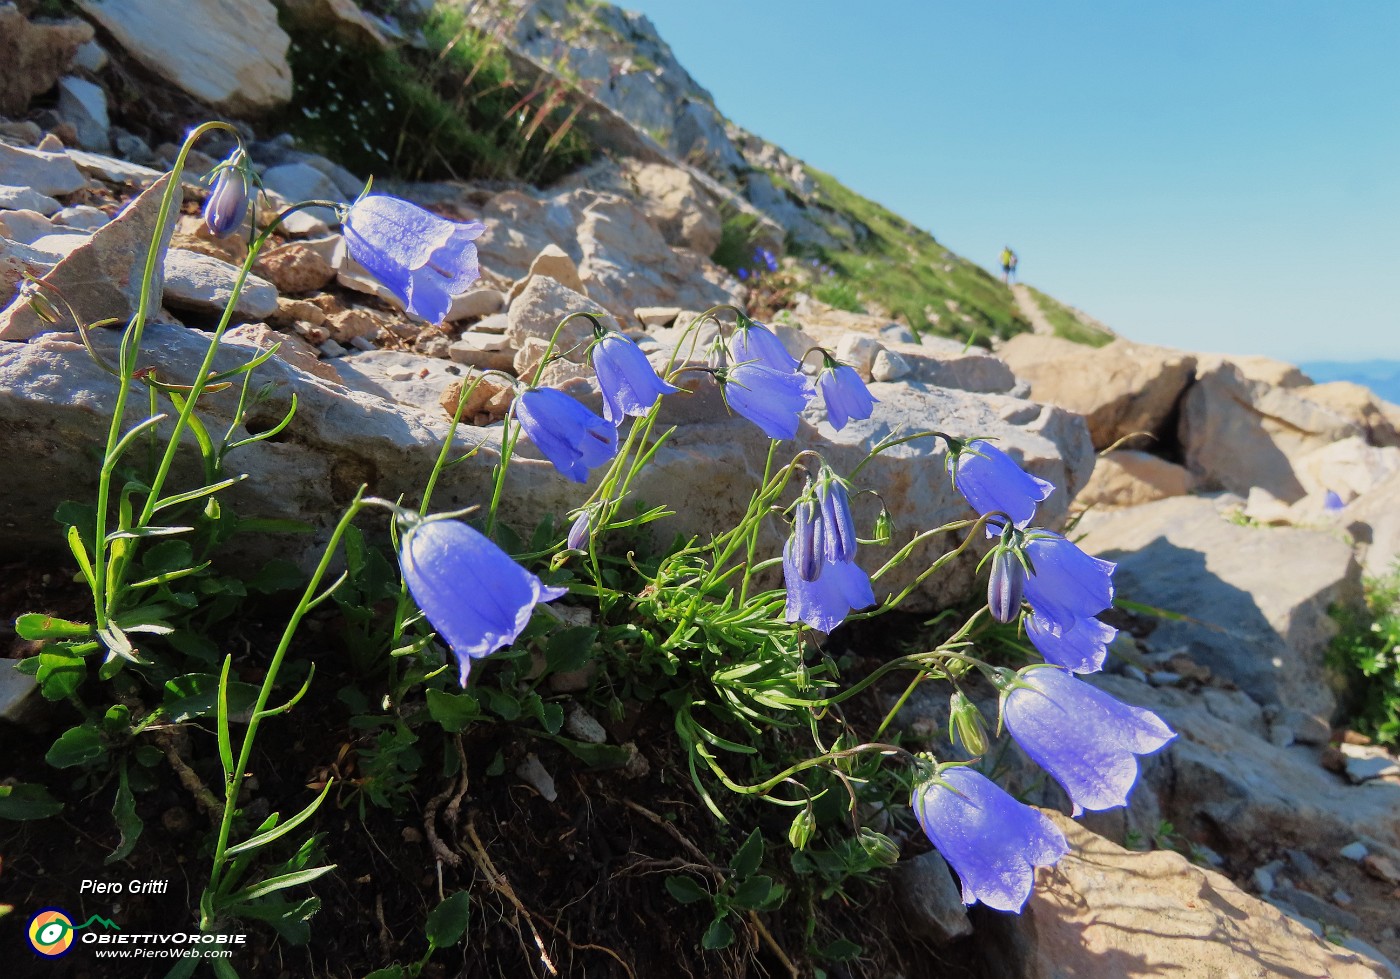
(807, 541)
(966, 727)
(803, 828)
(1007, 585)
(41, 305)
(227, 204)
(718, 358)
(884, 528)
(578, 533)
(879, 847)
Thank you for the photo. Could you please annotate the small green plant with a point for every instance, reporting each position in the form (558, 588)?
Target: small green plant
(1369, 644)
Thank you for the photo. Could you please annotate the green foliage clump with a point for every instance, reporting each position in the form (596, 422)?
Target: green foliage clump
(1369, 644)
(456, 110)
(737, 238)
(840, 295)
(1068, 324)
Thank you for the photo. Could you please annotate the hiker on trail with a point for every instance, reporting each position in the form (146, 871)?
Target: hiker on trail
(1009, 262)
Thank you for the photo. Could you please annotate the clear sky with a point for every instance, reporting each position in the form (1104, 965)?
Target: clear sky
(1208, 174)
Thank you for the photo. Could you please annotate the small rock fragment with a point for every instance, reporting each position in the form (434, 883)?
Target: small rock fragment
(534, 774)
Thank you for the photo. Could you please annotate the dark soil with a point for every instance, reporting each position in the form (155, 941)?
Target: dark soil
(573, 887)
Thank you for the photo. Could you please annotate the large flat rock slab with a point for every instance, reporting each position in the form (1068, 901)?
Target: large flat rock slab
(1255, 598)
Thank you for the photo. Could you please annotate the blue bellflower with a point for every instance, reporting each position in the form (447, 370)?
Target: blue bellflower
(1332, 503)
(569, 435)
(773, 400)
(991, 840)
(824, 603)
(421, 258)
(1066, 584)
(991, 481)
(755, 342)
(1080, 649)
(226, 207)
(629, 383)
(845, 394)
(1085, 739)
(475, 596)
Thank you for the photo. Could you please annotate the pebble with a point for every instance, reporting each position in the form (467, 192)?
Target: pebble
(1164, 678)
(1381, 868)
(583, 726)
(1341, 897)
(1354, 851)
(1305, 865)
(1134, 673)
(27, 199)
(332, 349)
(1263, 881)
(82, 216)
(362, 343)
(534, 774)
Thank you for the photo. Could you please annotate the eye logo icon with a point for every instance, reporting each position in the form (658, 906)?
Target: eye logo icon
(51, 932)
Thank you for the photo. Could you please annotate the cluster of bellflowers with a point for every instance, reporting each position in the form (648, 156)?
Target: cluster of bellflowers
(479, 599)
(1085, 739)
(763, 261)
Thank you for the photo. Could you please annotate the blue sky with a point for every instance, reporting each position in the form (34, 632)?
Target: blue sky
(1209, 175)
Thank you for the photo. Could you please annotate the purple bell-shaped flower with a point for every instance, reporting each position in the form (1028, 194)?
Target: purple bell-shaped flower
(991, 481)
(1085, 739)
(569, 435)
(629, 383)
(1066, 585)
(421, 258)
(754, 342)
(991, 840)
(476, 597)
(771, 399)
(1081, 648)
(845, 394)
(824, 603)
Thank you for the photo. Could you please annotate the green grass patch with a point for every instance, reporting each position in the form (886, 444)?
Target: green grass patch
(1369, 645)
(893, 265)
(455, 110)
(1068, 324)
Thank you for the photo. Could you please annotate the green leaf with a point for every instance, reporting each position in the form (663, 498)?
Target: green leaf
(453, 711)
(76, 746)
(27, 801)
(117, 720)
(504, 706)
(277, 575)
(270, 830)
(447, 922)
(124, 813)
(280, 882)
(685, 890)
(841, 950)
(35, 625)
(568, 649)
(595, 756)
(719, 935)
(197, 695)
(750, 855)
(61, 671)
(167, 556)
(392, 972)
(753, 893)
(550, 715)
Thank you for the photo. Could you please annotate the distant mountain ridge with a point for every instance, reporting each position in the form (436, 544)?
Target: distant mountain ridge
(1381, 376)
(897, 269)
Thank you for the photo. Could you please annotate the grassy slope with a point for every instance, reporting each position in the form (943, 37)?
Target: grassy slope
(903, 270)
(1067, 323)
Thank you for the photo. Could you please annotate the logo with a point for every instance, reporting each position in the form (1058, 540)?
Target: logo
(51, 931)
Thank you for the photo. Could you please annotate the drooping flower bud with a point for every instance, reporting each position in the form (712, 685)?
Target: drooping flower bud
(879, 847)
(227, 205)
(1007, 585)
(41, 305)
(803, 828)
(966, 726)
(840, 542)
(578, 532)
(884, 528)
